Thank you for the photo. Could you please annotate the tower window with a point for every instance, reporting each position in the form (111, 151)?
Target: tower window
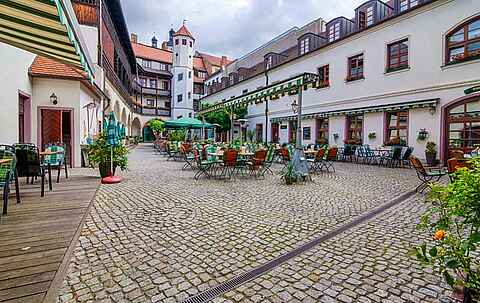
(180, 98)
(184, 41)
(180, 77)
(189, 95)
(191, 44)
(189, 74)
(176, 41)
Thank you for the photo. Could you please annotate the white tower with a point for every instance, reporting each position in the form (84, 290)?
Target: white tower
(183, 53)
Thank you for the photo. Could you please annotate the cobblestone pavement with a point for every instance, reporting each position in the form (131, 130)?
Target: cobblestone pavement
(161, 236)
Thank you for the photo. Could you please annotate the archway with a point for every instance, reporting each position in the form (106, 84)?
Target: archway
(148, 134)
(136, 127)
(461, 125)
(123, 118)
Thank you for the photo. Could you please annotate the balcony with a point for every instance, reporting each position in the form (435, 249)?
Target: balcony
(159, 111)
(154, 91)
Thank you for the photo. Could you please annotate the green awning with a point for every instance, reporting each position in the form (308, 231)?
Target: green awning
(429, 103)
(270, 92)
(187, 123)
(45, 27)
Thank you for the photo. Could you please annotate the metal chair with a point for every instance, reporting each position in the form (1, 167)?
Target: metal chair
(316, 163)
(8, 174)
(331, 157)
(29, 165)
(57, 159)
(425, 176)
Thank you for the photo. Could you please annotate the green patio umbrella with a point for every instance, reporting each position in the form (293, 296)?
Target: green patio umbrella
(187, 123)
(112, 141)
(122, 132)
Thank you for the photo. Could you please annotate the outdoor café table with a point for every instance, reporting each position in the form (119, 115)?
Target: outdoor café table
(310, 153)
(4, 161)
(218, 155)
(49, 153)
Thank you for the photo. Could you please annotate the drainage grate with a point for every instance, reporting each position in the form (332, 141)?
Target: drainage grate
(233, 283)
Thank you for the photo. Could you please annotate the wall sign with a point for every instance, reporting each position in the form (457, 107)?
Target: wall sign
(283, 126)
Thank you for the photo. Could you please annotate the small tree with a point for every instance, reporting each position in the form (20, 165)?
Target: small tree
(157, 126)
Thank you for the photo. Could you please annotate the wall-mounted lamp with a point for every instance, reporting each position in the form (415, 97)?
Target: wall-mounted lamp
(54, 99)
(294, 106)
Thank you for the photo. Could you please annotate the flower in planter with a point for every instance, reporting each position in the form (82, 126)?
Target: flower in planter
(372, 135)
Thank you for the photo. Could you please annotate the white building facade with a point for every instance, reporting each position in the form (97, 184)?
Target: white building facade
(395, 71)
(182, 70)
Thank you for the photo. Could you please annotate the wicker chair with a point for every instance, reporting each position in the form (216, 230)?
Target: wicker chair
(257, 163)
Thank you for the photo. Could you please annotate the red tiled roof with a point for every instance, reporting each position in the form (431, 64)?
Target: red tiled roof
(46, 67)
(218, 61)
(183, 31)
(152, 53)
(198, 64)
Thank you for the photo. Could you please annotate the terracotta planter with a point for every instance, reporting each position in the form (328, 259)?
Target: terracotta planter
(104, 169)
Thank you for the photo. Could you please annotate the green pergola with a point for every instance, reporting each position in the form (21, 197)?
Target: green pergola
(45, 27)
(291, 86)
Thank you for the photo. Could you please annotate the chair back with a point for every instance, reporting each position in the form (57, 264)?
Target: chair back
(332, 154)
(58, 156)
(7, 170)
(209, 150)
(285, 154)
(347, 150)
(407, 153)
(230, 157)
(270, 154)
(457, 154)
(453, 164)
(418, 166)
(320, 154)
(28, 160)
(397, 153)
(260, 156)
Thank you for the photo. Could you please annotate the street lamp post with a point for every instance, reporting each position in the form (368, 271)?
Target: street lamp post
(297, 109)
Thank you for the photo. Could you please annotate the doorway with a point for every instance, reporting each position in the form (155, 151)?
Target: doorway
(24, 118)
(56, 126)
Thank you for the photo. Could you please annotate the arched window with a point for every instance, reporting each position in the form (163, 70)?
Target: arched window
(463, 43)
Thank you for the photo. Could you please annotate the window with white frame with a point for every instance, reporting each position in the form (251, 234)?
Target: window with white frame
(334, 32)
(369, 15)
(147, 63)
(406, 4)
(304, 45)
(269, 62)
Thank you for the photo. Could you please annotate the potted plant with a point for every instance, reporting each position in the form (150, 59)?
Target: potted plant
(99, 153)
(289, 174)
(431, 153)
(372, 135)
(453, 220)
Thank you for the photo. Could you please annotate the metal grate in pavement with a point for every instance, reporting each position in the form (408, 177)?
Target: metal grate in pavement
(233, 283)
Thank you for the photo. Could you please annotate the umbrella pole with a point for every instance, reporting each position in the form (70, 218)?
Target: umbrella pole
(111, 160)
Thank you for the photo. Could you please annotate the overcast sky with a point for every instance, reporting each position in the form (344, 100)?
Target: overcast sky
(229, 27)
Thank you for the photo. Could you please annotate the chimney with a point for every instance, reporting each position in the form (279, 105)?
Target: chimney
(224, 61)
(164, 45)
(133, 38)
(154, 42)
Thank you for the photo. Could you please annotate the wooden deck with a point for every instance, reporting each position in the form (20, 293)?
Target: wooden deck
(38, 236)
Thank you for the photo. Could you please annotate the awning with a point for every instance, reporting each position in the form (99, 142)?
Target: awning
(187, 123)
(429, 103)
(45, 27)
(271, 92)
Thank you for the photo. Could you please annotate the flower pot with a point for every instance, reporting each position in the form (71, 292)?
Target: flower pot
(104, 168)
(431, 158)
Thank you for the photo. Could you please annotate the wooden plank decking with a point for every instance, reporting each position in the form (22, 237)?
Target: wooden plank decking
(38, 236)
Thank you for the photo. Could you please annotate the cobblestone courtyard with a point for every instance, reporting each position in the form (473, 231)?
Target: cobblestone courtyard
(161, 236)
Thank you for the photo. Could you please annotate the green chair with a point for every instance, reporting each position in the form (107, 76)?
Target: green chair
(8, 175)
(57, 159)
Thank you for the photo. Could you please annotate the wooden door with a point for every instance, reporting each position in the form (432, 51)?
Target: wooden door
(51, 126)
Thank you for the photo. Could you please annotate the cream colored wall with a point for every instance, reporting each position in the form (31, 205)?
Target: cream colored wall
(373, 123)
(68, 94)
(14, 64)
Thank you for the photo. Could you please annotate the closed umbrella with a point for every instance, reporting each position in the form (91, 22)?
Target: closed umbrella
(112, 141)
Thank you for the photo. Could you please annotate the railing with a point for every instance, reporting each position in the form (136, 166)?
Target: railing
(155, 91)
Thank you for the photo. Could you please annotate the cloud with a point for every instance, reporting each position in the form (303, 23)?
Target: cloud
(229, 27)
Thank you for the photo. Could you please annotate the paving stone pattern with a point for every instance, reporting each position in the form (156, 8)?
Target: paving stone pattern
(161, 236)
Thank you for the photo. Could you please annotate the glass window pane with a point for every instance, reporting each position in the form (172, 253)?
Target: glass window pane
(403, 132)
(474, 30)
(457, 53)
(473, 106)
(456, 126)
(457, 36)
(474, 48)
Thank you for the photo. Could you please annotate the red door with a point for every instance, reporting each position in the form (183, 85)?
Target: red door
(56, 127)
(275, 132)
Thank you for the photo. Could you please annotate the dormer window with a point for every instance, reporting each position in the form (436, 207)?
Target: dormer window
(304, 45)
(269, 62)
(334, 32)
(232, 79)
(369, 15)
(407, 4)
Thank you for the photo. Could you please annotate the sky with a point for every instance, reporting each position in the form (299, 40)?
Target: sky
(228, 27)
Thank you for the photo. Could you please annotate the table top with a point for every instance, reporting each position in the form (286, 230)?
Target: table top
(216, 154)
(49, 153)
(310, 151)
(246, 154)
(3, 161)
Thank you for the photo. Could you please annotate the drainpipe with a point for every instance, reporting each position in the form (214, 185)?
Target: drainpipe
(266, 109)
